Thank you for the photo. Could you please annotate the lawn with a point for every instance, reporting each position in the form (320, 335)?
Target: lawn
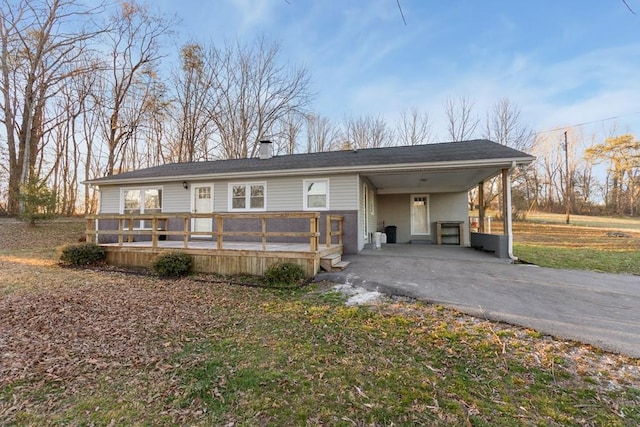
(587, 243)
(106, 347)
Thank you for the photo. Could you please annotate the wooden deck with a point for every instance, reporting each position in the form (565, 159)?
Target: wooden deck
(212, 253)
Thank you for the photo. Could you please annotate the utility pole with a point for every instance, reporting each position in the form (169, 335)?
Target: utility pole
(567, 180)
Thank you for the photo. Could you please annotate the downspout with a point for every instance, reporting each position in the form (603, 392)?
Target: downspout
(506, 184)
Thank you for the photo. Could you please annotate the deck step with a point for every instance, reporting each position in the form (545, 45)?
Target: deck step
(341, 265)
(332, 262)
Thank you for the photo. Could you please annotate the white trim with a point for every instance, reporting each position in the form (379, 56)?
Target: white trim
(247, 196)
(305, 199)
(428, 202)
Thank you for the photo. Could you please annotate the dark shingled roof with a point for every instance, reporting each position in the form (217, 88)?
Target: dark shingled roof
(476, 150)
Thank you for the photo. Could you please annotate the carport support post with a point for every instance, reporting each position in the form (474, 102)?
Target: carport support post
(506, 210)
(481, 207)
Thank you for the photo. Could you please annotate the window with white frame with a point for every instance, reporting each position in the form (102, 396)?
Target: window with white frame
(141, 201)
(316, 194)
(247, 196)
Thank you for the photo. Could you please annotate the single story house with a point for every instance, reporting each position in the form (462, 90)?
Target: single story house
(411, 192)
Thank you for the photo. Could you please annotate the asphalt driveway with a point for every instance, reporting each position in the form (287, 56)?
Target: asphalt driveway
(595, 308)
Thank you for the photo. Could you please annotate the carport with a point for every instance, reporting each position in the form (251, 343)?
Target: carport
(418, 202)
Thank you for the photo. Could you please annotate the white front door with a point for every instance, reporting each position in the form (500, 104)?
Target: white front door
(202, 202)
(420, 214)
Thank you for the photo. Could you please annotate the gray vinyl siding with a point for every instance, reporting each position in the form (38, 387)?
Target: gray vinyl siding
(342, 190)
(286, 194)
(110, 199)
(283, 194)
(175, 198)
(221, 196)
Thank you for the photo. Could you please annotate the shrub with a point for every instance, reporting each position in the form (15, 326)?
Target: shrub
(172, 264)
(284, 274)
(38, 201)
(83, 254)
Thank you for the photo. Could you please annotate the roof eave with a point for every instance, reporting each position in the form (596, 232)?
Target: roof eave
(396, 167)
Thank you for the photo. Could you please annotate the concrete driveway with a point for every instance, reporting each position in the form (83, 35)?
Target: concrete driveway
(595, 308)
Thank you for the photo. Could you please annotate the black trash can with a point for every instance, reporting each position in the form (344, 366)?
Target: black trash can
(390, 231)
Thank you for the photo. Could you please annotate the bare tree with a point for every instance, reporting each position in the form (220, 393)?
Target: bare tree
(253, 92)
(40, 47)
(366, 132)
(288, 130)
(156, 115)
(194, 87)
(548, 150)
(134, 42)
(505, 126)
(322, 134)
(414, 127)
(461, 121)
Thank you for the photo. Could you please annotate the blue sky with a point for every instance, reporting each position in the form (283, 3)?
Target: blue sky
(562, 62)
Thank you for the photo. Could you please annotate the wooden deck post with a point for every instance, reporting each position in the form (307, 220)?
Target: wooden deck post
(219, 223)
(185, 228)
(264, 233)
(313, 229)
(481, 212)
(154, 232)
(90, 237)
(328, 231)
(130, 234)
(120, 230)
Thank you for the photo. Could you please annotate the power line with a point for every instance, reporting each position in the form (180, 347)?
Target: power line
(587, 123)
(401, 12)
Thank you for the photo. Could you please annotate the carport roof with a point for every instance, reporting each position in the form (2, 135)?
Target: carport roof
(476, 152)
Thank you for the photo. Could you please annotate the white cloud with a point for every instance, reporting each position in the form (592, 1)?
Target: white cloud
(254, 13)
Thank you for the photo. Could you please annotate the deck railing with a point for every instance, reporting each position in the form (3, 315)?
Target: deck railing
(159, 229)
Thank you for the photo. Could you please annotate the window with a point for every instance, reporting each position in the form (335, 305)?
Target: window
(247, 197)
(131, 202)
(316, 194)
(141, 201)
